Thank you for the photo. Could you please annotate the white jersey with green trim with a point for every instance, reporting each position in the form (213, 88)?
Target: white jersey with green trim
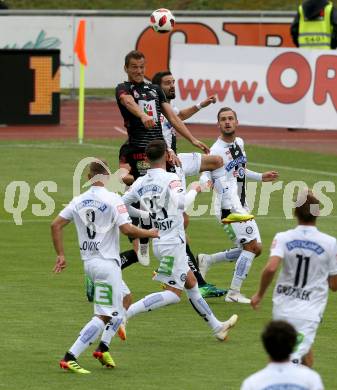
(161, 193)
(229, 180)
(309, 257)
(97, 214)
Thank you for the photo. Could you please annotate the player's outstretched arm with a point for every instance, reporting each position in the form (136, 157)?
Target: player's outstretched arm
(270, 176)
(56, 232)
(265, 176)
(135, 232)
(190, 111)
(265, 281)
(129, 103)
(179, 126)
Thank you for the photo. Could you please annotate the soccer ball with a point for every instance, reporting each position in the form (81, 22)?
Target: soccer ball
(162, 20)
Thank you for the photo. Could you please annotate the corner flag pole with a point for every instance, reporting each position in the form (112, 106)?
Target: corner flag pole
(79, 49)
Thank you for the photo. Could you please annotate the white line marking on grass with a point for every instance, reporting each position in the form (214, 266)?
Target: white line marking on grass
(120, 130)
(209, 218)
(258, 218)
(295, 169)
(58, 146)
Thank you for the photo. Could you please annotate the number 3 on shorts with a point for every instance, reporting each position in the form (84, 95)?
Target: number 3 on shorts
(103, 294)
(166, 265)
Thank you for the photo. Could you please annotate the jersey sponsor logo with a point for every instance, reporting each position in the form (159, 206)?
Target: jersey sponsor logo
(175, 184)
(91, 246)
(150, 188)
(92, 204)
(149, 107)
(235, 162)
(293, 292)
(286, 386)
(304, 244)
(122, 209)
(142, 167)
(163, 225)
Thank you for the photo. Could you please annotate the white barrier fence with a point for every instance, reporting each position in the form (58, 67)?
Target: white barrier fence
(266, 86)
(111, 35)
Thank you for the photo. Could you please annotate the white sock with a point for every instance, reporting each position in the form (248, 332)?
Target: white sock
(110, 329)
(87, 336)
(152, 302)
(242, 268)
(202, 308)
(228, 256)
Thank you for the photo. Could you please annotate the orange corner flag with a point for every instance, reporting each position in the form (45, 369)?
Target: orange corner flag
(79, 48)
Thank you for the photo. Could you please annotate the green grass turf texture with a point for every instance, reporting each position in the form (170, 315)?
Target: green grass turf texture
(171, 348)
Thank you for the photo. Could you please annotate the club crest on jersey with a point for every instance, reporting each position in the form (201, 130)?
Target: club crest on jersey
(153, 188)
(241, 172)
(136, 95)
(235, 162)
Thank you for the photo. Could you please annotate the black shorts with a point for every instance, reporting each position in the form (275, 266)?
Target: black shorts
(135, 157)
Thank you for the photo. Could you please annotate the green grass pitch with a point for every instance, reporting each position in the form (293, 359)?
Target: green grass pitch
(171, 348)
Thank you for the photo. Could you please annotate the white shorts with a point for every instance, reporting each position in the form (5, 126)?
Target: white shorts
(125, 289)
(173, 266)
(306, 333)
(243, 232)
(190, 163)
(107, 278)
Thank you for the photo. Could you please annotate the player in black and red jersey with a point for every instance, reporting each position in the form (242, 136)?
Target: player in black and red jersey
(141, 105)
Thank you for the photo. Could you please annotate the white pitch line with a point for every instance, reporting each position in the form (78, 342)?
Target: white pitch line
(58, 146)
(49, 219)
(259, 218)
(120, 130)
(295, 169)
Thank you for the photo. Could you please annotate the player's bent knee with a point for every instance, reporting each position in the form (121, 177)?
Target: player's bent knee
(218, 162)
(176, 291)
(210, 163)
(308, 359)
(254, 247)
(258, 249)
(105, 319)
(127, 300)
(191, 281)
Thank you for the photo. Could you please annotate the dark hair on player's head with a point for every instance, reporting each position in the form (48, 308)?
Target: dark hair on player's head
(155, 150)
(279, 339)
(307, 207)
(224, 109)
(98, 167)
(134, 54)
(156, 79)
